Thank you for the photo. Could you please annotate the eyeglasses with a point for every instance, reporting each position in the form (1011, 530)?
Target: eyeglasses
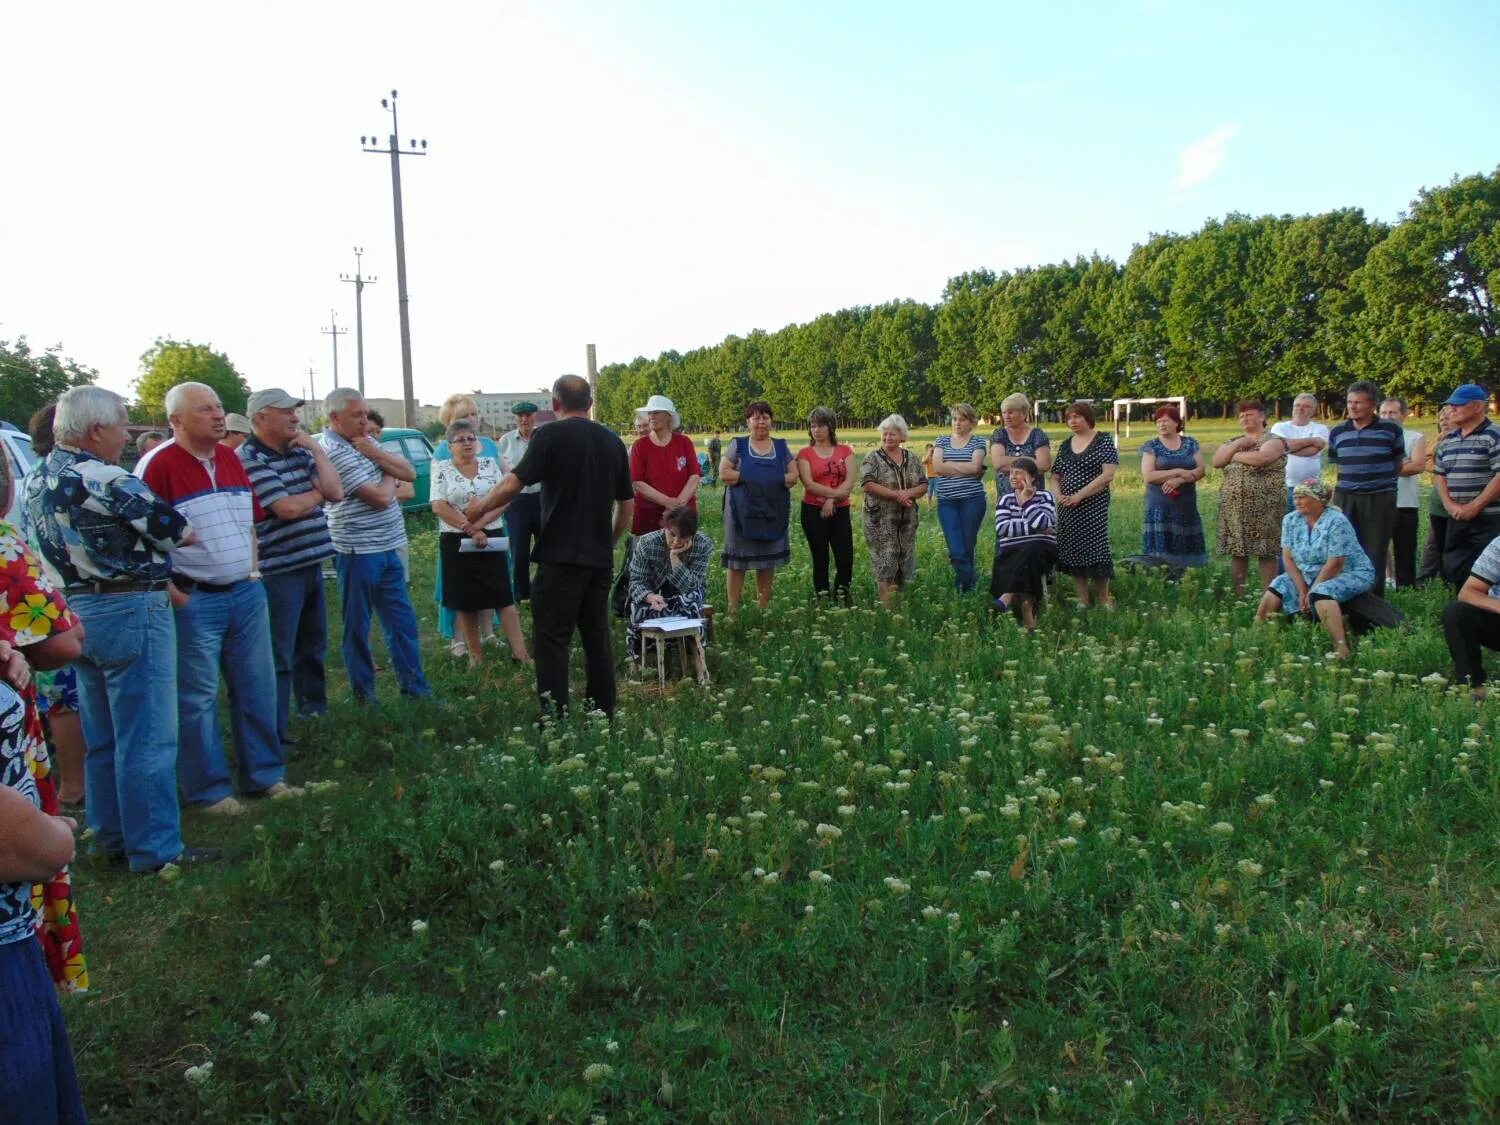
(462, 441)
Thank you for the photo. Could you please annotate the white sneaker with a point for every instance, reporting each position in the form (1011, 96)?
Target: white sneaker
(228, 806)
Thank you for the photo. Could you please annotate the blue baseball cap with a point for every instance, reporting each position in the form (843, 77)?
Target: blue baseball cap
(1469, 392)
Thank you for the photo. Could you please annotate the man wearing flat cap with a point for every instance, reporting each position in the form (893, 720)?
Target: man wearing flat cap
(1466, 472)
(292, 478)
(523, 519)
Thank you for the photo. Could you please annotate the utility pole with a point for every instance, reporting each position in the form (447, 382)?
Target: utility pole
(312, 397)
(335, 331)
(359, 281)
(396, 152)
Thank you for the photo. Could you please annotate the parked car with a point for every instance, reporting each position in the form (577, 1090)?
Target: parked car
(16, 447)
(414, 446)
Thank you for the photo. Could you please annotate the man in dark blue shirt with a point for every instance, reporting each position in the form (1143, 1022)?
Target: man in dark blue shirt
(1369, 452)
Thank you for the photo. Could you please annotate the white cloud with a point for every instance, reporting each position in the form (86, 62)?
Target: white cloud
(1204, 157)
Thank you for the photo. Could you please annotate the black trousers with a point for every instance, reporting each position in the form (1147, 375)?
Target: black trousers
(1404, 546)
(1462, 543)
(1432, 553)
(836, 534)
(565, 598)
(1373, 515)
(1470, 630)
(523, 521)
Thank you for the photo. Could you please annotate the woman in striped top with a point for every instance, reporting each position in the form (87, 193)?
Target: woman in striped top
(1025, 543)
(958, 473)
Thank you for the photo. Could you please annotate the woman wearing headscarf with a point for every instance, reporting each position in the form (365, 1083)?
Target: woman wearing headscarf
(758, 471)
(1172, 466)
(1025, 542)
(893, 480)
(1325, 565)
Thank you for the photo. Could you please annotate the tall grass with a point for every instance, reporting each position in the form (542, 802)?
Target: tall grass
(1156, 864)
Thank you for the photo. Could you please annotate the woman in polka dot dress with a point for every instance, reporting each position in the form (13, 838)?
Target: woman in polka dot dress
(1082, 473)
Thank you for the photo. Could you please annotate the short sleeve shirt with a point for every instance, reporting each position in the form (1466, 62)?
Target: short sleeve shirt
(285, 544)
(666, 468)
(1299, 467)
(830, 472)
(1469, 462)
(214, 495)
(358, 528)
(1487, 567)
(584, 471)
(1369, 459)
(958, 488)
(450, 485)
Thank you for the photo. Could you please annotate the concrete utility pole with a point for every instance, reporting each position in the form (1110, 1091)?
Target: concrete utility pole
(396, 152)
(593, 369)
(359, 281)
(312, 397)
(335, 331)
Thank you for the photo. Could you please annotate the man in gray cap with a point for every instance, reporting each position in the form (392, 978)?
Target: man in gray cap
(293, 478)
(523, 519)
(236, 429)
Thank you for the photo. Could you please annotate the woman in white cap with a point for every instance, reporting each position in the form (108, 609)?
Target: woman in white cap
(663, 467)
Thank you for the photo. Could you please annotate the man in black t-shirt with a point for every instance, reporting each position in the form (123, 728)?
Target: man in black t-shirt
(587, 503)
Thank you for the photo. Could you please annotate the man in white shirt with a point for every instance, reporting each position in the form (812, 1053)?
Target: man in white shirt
(1305, 441)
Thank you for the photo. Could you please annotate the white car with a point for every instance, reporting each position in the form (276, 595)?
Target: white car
(15, 447)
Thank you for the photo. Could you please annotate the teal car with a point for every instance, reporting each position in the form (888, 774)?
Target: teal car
(414, 446)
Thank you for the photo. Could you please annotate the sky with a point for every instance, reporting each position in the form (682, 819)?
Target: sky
(656, 176)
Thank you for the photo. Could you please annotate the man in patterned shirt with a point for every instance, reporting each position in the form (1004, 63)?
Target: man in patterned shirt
(103, 537)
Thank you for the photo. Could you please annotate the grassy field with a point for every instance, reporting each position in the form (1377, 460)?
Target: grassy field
(1161, 864)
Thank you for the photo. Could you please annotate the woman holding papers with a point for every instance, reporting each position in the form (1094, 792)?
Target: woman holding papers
(476, 571)
(668, 573)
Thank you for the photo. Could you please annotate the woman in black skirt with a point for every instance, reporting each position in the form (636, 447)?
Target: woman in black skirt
(1025, 543)
(476, 578)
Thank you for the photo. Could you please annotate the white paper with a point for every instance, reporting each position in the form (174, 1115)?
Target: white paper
(672, 624)
(495, 543)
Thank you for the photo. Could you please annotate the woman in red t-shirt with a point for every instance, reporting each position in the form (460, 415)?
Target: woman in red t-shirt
(827, 470)
(663, 467)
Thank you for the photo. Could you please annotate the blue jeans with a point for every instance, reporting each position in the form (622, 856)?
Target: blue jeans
(376, 583)
(960, 520)
(228, 633)
(299, 641)
(127, 693)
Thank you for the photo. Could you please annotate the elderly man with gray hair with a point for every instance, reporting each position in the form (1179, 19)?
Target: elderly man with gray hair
(1305, 441)
(222, 625)
(104, 537)
(368, 533)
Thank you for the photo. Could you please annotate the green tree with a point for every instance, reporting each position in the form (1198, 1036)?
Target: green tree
(29, 381)
(169, 362)
(959, 371)
(1428, 319)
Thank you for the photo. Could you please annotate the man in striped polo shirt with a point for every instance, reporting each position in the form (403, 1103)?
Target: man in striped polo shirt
(293, 478)
(223, 623)
(1466, 471)
(1369, 452)
(368, 532)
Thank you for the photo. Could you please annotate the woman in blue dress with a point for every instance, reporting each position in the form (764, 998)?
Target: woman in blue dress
(1171, 465)
(758, 472)
(1325, 565)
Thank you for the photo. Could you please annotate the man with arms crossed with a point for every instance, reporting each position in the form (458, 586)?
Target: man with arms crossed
(368, 534)
(587, 502)
(1305, 441)
(293, 478)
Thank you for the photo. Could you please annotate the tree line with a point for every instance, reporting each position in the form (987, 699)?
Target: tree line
(1245, 306)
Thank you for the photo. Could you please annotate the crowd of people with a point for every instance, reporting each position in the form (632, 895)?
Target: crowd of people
(131, 596)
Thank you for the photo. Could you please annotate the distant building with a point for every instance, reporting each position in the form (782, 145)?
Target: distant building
(495, 409)
(393, 410)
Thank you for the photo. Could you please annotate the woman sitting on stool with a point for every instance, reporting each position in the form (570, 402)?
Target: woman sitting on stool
(668, 574)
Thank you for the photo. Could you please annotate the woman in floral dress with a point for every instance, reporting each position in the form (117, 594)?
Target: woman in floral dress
(1253, 498)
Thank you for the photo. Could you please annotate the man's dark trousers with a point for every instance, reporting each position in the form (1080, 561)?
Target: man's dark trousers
(1373, 515)
(1462, 543)
(565, 597)
(523, 520)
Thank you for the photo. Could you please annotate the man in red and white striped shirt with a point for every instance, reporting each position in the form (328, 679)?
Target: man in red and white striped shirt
(223, 624)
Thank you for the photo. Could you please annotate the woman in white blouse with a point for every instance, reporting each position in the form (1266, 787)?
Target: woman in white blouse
(476, 578)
